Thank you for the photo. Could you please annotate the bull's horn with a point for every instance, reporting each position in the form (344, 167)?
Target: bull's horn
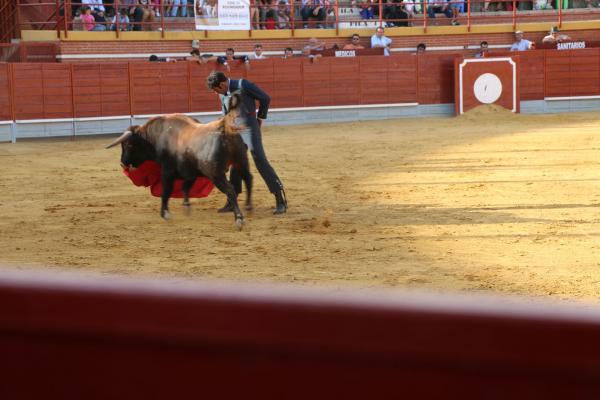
(126, 135)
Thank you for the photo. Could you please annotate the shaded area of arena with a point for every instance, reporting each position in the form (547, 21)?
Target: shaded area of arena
(484, 202)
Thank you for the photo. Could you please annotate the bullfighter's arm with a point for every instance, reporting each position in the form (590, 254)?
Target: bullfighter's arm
(257, 94)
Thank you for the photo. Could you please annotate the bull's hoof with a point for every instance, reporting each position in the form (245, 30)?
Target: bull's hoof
(239, 223)
(165, 214)
(187, 209)
(249, 207)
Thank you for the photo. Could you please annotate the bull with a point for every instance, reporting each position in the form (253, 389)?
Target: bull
(187, 149)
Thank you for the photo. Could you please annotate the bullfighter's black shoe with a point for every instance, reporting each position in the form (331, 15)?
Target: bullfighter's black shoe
(280, 203)
(226, 208)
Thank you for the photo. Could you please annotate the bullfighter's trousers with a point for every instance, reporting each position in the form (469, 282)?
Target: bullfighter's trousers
(260, 160)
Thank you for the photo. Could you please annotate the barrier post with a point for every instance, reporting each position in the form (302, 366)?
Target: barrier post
(468, 15)
(130, 89)
(380, 13)
(337, 18)
(560, 6)
(67, 16)
(162, 19)
(514, 14)
(18, 11)
(56, 15)
(293, 17)
(73, 101)
(424, 16)
(117, 19)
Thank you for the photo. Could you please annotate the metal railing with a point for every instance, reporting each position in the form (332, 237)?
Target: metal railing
(158, 15)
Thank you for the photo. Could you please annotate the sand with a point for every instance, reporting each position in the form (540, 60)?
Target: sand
(487, 202)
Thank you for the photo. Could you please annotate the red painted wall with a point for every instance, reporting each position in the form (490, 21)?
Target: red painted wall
(42, 90)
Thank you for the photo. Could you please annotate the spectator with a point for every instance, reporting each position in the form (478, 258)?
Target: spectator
(283, 15)
(195, 55)
(175, 8)
(307, 52)
(456, 7)
(541, 5)
(411, 8)
(366, 8)
(395, 14)
(314, 44)
(200, 58)
(208, 8)
(230, 59)
(270, 20)
(313, 9)
(258, 52)
(123, 19)
(93, 5)
(141, 16)
(421, 47)
(254, 15)
(483, 50)
(441, 6)
(100, 21)
(87, 19)
(288, 52)
(555, 36)
(354, 44)
(520, 44)
(379, 40)
(497, 4)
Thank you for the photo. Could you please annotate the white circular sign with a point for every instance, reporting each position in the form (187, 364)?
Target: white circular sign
(487, 88)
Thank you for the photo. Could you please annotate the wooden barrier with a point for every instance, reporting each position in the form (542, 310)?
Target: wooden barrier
(143, 88)
(5, 96)
(65, 338)
(101, 89)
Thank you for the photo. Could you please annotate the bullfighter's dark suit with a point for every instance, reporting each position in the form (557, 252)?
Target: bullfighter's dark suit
(250, 94)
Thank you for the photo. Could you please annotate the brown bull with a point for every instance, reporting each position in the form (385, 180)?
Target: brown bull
(186, 149)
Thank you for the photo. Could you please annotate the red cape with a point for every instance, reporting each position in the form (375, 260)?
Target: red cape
(148, 174)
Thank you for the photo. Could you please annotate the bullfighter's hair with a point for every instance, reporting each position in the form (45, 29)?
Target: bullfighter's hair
(214, 79)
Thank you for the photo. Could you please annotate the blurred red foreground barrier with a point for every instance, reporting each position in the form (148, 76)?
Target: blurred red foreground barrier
(74, 338)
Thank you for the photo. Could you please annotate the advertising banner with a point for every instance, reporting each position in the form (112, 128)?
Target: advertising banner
(222, 14)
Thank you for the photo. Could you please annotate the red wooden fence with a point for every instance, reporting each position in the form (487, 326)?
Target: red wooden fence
(82, 339)
(40, 90)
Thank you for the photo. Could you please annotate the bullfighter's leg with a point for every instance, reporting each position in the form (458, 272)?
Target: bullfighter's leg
(224, 186)
(187, 186)
(265, 169)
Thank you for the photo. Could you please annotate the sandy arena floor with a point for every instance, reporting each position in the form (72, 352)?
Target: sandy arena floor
(485, 202)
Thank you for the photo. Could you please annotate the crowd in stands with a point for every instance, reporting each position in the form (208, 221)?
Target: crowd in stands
(100, 15)
(314, 47)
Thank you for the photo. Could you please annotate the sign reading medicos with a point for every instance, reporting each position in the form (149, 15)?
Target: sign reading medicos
(222, 14)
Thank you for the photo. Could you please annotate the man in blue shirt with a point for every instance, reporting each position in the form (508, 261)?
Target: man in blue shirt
(378, 40)
(520, 44)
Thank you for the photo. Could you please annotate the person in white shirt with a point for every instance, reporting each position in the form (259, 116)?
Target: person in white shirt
(520, 44)
(555, 36)
(258, 54)
(93, 4)
(379, 40)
